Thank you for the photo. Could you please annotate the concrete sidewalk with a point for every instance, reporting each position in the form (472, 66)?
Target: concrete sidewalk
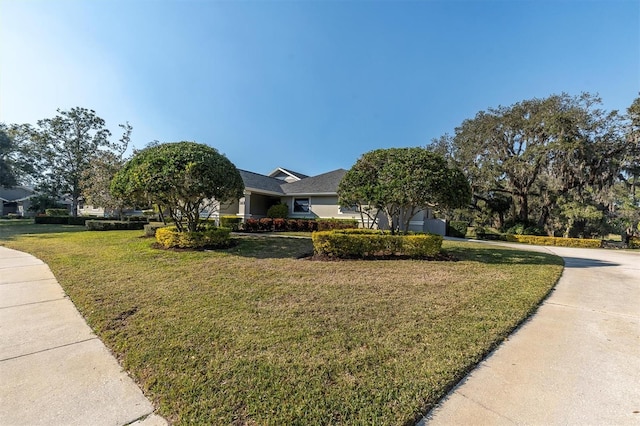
(575, 362)
(53, 369)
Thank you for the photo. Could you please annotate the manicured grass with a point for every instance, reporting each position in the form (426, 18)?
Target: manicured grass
(252, 335)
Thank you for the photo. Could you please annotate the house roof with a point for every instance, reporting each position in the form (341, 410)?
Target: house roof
(257, 181)
(16, 193)
(291, 173)
(326, 183)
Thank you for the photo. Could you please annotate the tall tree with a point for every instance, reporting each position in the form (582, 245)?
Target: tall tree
(182, 178)
(17, 163)
(97, 177)
(68, 144)
(401, 182)
(536, 151)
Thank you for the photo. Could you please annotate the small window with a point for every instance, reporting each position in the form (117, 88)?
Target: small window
(301, 205)
(350, 209)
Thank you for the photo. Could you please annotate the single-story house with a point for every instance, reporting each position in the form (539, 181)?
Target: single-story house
(307, 197)
(16, 200)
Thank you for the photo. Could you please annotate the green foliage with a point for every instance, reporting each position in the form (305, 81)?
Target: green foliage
(183, 178)
(151, 228)
(523, 228)
(540, 153)
(363, 244)
(330, 224)
(555, 241)
(401, 182)
(113, 225)
(278, 211)
(457, 228)
(67, 145)
(634, 243)
(171, 237)
(41, 202)
(17, 159)
(232, 222)
(52, 220)
(57, 212)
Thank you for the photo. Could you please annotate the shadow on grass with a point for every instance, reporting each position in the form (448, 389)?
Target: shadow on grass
(12, 228)
(270, 248)
(495, 255)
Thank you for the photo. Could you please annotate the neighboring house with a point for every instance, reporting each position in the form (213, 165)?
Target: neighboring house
(16, 200)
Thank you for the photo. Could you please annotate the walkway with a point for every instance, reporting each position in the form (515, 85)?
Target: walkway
(53, 369)
(575, 362)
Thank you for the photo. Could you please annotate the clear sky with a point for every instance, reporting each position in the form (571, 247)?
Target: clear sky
(307, 85)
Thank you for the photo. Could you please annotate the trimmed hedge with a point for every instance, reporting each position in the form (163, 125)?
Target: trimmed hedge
(151, 228)
(113, 225)
(170, 237)
(56, 212)
(330, 224)
(555, 241)
(232, 222)
(457, 228)
(364, 243)
(52, 220)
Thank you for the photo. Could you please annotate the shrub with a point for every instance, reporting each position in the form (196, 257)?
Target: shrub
(278, 211)
(137, 219)
(170, 237)
(80, 220)
(151, 228)
(330, 224)
(14, 216)
(232, 222)
(279, 224)
(361, 243)
(524, 228)
(52, 220)
(251, 225)
(56, 212)
(265, 224)
(555, 241)
(634, 243)
(292, 225)
(113, 225)
(457, 228)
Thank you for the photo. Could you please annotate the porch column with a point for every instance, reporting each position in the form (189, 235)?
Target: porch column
(244, 206)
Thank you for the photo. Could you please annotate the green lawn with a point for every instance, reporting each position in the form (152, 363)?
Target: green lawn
(252, 335)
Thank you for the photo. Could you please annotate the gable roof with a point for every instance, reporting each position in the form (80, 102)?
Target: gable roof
(326, 183)
(16, 193)
(291, 173)
(261, 182)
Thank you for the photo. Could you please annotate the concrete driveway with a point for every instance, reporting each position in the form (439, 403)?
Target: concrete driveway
(575, 362)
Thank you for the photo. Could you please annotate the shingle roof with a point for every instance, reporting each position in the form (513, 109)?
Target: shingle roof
(17, 193)
(326, 183)
(321, 184)
(258, 181)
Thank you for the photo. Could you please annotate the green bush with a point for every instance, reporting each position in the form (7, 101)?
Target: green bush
(232, 222)
(634, 243)
(56, 212)
(113, 225)
(555, 241)
(52, 220)
(170, 237)
(364, 243)
(137, 219)
(457, 228)
(14, 216)
(151, 228)
(330, 224)
(278, 211)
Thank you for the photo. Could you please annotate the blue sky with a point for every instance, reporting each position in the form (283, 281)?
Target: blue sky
(307, 85)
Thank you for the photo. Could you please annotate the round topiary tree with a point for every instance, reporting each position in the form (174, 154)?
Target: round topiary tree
(180, 177)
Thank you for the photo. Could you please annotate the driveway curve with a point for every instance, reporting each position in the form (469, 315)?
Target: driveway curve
(575, 362)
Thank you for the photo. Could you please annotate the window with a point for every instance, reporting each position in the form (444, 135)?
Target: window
(301, 205)
(350, 209)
